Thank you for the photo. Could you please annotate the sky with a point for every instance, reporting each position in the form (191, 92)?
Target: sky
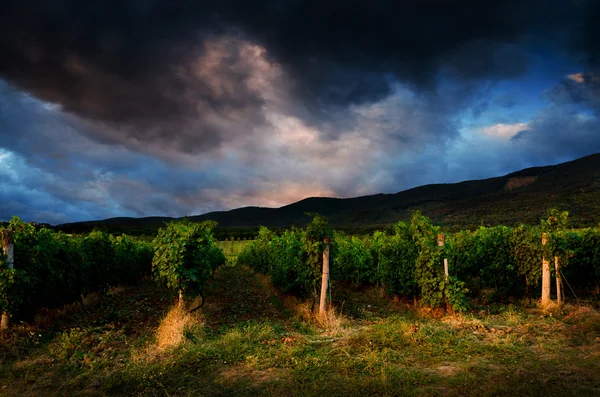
(174, 107)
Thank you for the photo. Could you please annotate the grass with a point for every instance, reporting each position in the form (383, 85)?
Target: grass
(232, 248)
(249, 340)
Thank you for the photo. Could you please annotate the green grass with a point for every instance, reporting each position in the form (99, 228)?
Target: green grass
(248, 340)
(232, 248)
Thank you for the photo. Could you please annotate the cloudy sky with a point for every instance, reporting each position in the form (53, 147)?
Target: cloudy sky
(165, 107)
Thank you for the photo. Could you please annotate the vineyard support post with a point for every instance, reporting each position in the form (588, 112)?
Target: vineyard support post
(8, 249)
(546, 282)
(441, 241)
(324, 280)
(180, 300)
(446, 267)
(559, 297)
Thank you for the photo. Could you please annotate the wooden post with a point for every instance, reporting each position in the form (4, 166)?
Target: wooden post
(559, 297)
(180, 301)
(324, 280)
(8, 249)
(441, 241)
(545, 276)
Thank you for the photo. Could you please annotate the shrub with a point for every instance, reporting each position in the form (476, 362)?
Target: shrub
(185, 256)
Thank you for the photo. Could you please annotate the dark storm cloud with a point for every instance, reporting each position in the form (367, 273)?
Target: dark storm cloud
(566, 129)
(135, 108)
(591, 34)
(557, 135)
(582, 89)
(570, 126)
(132, 64)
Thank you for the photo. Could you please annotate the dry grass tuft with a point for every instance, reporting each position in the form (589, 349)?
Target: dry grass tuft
(549, 308)
(171, 328)
(461, 321)
(582, 313)
(584, 323)
(170, 334)
(301, 309)
(333, 321)
(433, 313)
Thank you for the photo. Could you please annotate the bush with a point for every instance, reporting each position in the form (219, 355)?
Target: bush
(185, 256)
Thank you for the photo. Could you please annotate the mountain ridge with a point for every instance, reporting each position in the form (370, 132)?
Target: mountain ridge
(522, 196)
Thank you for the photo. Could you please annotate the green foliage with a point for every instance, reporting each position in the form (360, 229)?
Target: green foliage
(353, 261)
(396, 256)
(429, 278)
(556, 221)
(257, 253)
(526, 251)
(483, 259)
(53, 269)
(503, 260)
(456, 294)
(11, 285)
(186, 255)
(583, 258)
(318, 232)
(289, 267)
(292, 259)
(557, 240)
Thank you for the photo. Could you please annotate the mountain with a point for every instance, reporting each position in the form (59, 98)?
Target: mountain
(520, 197)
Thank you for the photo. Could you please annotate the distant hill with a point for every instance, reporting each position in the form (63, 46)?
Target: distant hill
(520, 197)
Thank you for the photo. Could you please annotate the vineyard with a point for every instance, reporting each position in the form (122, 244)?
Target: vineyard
(487, 265)
(490, 264)
(54, 269)
(399, 324)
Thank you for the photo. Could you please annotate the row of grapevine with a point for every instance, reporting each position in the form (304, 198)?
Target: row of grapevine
(292, 259)
(508, 260)
(500, 260)
(52, 268)
(403, 262)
